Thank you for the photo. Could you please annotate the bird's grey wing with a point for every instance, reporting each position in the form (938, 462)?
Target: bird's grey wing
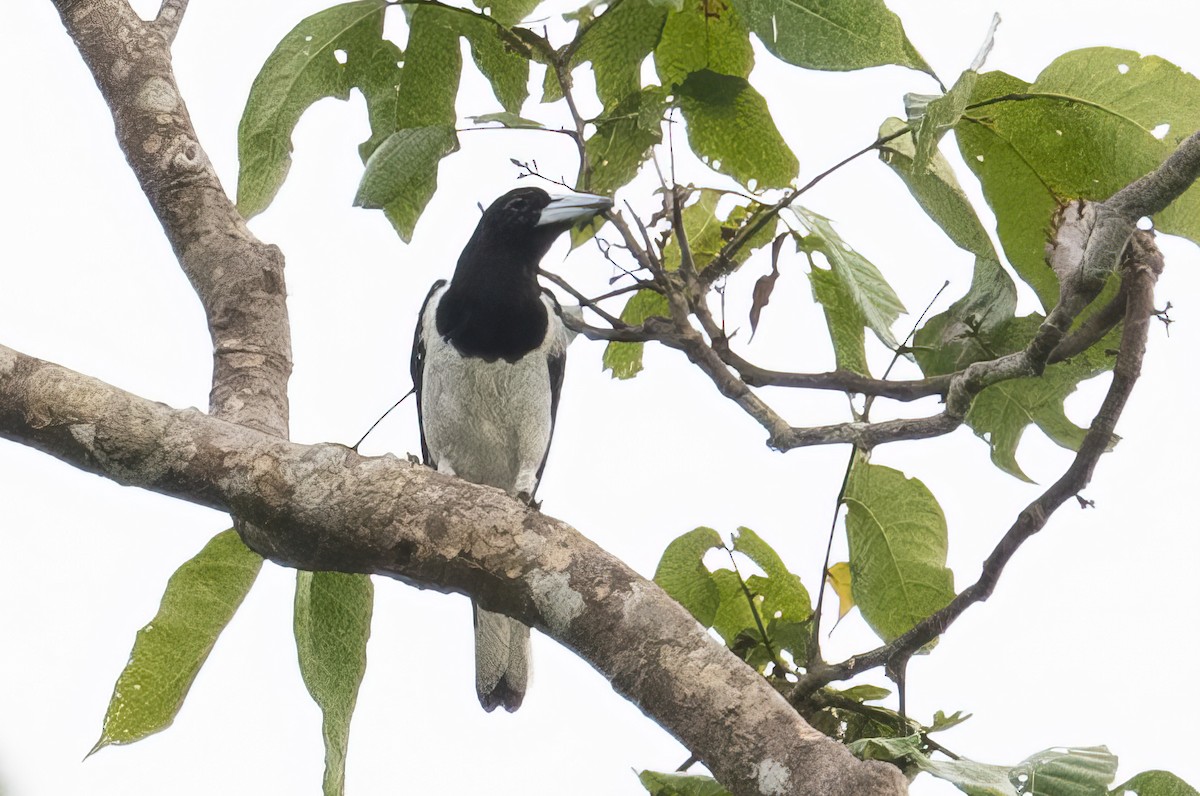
(417, 368)
(557, 363)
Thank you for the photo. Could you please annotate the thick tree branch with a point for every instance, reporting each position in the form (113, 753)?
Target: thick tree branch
(326, 507)
(238, 278)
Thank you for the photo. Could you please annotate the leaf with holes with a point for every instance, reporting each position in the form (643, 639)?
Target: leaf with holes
(1088, 126)
(325, 55)
(898, 545)
(703, 34)
(200, 599)
(616, 43)
(681, 573)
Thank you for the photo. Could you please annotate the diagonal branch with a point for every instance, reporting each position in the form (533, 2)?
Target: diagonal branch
(237, 277)
(325, 507)
(170, 16)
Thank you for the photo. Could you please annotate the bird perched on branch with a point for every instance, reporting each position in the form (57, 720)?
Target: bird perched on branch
(487, 366)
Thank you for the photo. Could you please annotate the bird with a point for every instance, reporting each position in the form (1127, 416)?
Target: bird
(488, 359)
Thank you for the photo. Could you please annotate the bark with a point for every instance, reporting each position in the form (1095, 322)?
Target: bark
(325, 507)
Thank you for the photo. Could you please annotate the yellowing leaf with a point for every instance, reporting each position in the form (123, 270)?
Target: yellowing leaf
(838, 577)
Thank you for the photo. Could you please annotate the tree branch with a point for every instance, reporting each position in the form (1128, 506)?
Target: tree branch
(238, 278)
(170, 16)
(325, 507)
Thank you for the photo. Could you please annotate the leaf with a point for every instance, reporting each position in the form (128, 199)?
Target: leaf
(838, 577)
(623, 139)
(616, 43)
(681, 573)
(703, 34)
(886, 748)
(1156, 783)
(401, 175)
(733, 617)
(943, 722)
(974, 779)
(332, 624)
(303, 68)
(200, 599)
(730, 128)
(625, 359)
(864, 285)
(961, 335)
(866, 693)
(783, 594)
(1085, 128)
(658, 783)
(506, 119)
(508, 12)
(432, 68)
(843, 318)
(1067, 772)
(707, 234)
(841, 36)
(898, 545)
(764, 286)
(1001, 413)
(504, 67)
(939, 118)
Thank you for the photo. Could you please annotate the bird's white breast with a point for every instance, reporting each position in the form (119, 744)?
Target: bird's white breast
(489, 421)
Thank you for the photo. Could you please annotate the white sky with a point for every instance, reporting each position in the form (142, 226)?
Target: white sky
(1089, 639)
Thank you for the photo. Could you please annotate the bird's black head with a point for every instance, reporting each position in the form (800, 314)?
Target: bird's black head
(518, 229)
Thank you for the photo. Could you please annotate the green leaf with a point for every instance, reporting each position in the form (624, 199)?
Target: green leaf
(432, 68)
(616, 43)
(506, 119)
(865, 286)
(974, 779)
(866, 693)
(303, 68)
(401, 175)
(681, 573)
(1083, 129)
(844, 319)
(623, 139)
(1067, 772)
(332, 625)
(703, 34)
(886, 748)
(707, 234)
(817, 34)
(662, 784)
(939, 118)
(730, 128)
(734, 617)
(504, 67)
(508, 12)
(625, 359)
(200, 599)
(783, 595)
(898, 544)
(1002, 412)
(1156, 783)
(943, 722)
(959, 336)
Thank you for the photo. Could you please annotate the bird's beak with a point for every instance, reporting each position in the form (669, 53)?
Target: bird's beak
(566, 210)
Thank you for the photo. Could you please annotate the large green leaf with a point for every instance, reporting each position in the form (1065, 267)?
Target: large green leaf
(730, 128)
(862, 281)
(401, 174)
(819, 34)
(974, 779)
(962, 334)
(898, 545)
(1156, 783)
(623, 139)
(681, 573)
(332, 623)
(703, 34)
(432, 68)
(325, 55)
(783, 595)
(1086, 771)
(616, 43)
(1084, 129)
(508, 12)
(676, 784)
(1002, 412)
(625, 359)
(505, 67)
(939, 118)
(200, 599)
(843, 318)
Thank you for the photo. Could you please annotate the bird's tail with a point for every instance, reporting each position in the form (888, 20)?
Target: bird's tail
(501, 660)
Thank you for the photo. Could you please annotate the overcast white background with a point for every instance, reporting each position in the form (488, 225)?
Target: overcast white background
(1090, 638)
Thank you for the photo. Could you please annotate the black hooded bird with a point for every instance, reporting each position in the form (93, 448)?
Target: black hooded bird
(487, 366)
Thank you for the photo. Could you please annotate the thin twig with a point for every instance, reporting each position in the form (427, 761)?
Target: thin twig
(591, 304)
